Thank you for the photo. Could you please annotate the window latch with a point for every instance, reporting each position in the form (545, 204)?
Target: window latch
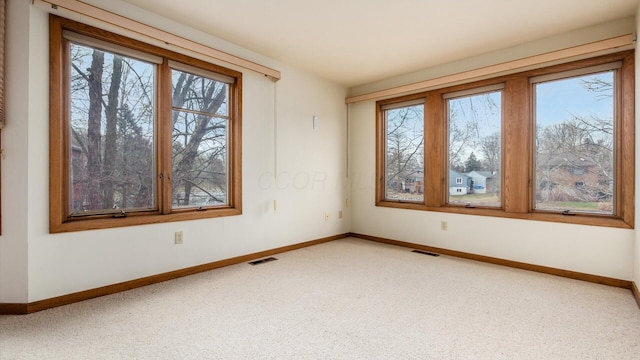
(568, 213)
(121, 214)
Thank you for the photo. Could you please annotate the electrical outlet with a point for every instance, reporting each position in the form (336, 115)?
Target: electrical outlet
(326, 216)
(179, 239)
(444, 226)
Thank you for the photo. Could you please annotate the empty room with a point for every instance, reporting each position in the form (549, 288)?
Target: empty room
(354, 179)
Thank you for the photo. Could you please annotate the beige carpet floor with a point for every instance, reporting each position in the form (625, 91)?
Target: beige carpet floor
(347, 299)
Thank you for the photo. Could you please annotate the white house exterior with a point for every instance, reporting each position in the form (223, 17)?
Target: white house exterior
(480, 180)
(459, 184)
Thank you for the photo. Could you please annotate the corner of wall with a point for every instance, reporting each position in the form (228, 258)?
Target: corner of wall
(13, 243)
(35, 265)
(636, 268)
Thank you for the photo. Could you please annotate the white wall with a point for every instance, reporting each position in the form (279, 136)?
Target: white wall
(13, 241)
(588, 249)
(311, 168)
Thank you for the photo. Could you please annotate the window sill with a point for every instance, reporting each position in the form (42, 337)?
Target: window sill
(108, 222)
(578, 219)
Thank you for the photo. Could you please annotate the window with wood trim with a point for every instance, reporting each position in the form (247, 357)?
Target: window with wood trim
(138, 134)
(551, 144)
(474, 121)
(404, 156)
(574, 141)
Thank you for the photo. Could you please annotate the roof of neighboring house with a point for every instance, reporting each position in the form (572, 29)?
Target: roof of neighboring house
(418, 174)
(565, 159)
(486, 174)
(452, 179)
(455, 174)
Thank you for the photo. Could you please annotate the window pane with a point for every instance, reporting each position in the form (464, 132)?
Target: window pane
(111, 132)
(475, 154)
(405, 153)
(574, 144)
(200, 136)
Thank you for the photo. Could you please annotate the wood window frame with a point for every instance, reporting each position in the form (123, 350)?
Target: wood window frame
(403, 103)
(59, 162)
(517, 148)
(472, 91)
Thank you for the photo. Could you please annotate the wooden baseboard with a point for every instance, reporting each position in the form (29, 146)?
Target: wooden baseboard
(20, 309)
(636, 292)
(515, 264)
(13, 309)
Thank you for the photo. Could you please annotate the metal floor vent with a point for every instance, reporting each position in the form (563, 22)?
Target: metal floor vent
(262, 261)
(425, 252)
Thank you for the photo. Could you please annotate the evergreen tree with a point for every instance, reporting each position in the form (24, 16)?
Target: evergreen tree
(472, 163)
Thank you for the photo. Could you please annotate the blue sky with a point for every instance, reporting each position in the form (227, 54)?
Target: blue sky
(557, 100)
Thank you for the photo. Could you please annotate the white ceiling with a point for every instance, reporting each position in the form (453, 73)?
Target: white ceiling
(354, 42)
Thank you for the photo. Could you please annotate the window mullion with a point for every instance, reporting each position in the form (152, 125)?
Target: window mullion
(517, 158)
(625, 162)
(165, 126)
(434, 150)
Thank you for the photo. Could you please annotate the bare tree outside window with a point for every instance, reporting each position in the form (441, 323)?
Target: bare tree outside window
(475, 155)
(405, 153)
(574, 167)
(138, 134)
(199, 147)
(112, 132)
